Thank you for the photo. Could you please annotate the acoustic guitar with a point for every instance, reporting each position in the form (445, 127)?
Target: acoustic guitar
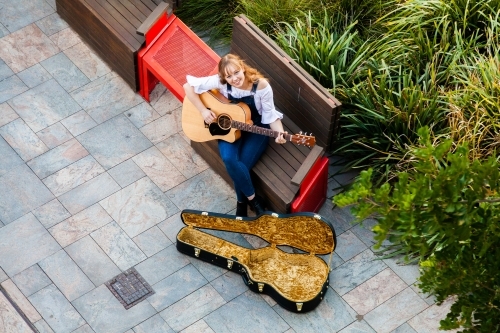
(231, 119)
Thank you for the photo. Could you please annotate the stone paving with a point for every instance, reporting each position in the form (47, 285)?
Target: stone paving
(92, 182)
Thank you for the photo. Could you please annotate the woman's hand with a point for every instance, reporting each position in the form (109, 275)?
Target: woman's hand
(280, 139)
(208, 116)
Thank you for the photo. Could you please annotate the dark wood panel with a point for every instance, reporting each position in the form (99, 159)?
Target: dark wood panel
(141, 7)
(138, 14)
(150, 4)
(125, 12)
(115, 20)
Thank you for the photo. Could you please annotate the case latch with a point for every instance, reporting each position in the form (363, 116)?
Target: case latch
(196, 252)
(229, 263)
(299, 306)
(261, 286)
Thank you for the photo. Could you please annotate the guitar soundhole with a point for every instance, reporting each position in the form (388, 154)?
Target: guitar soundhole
(224, 121)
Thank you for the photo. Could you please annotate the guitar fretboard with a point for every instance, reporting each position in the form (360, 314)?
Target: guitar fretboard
(259, 130)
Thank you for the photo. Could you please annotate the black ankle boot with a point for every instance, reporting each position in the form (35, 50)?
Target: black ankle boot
(241, 209)
(257, 205)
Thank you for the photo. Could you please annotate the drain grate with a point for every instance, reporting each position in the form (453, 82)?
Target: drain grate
(129, 288)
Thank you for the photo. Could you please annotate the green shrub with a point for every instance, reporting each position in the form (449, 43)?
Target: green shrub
(445, 214)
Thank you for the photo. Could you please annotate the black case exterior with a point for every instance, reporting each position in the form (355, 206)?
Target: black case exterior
(235, 266)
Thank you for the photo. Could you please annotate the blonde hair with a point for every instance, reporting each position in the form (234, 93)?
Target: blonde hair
(251, 74)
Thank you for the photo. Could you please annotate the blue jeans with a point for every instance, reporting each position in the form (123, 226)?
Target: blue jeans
(239, 158)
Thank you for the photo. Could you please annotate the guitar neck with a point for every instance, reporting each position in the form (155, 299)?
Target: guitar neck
(259, 130)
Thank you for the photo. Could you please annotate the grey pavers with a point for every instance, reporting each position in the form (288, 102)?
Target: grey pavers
(152, 241)
(340, 218)
(199, 327)
(3, 276)
(43, 327)
(79, 122)
(358, 327)
(66, 275)
(155, 324)
(26, 240)
(374, 291)
(51, 213)
(54, 135)
(334, 262)
(31, 280)
(364, 231)
(89, 193)
(355, 271)
(80, 225)
(51, 24)
(348, 245)
(164, 127)
(175, 287)
(162, 264)
(22, 139)
(23, 13)
(52, 3)
(44, 105)
(428, 320)
(73, 175)
(139, 206)
(106, 97)
(409, 273)
(65, 72)
(65, 39)
(104, 313)
(331, 315)
(56, 310)
(118, 246)
(229, 285)
(123, 140)
(142, 114)
(246, 311)
(3, 31)
(405, 328)
(24, 192)
(10, 320)
(21, 301)
(429, 299)
(192, 308)
(26, 47)
(393, 313)
(34, 75)
(5, 71)
(180, 154)
(159, 169)
(10, 159)
(7, 114)
(167, 104)
(92, 260)
(171, 226)
(57, 158)
(126, 173)
(85, 59)
(84, 329)
(11, 87)
(206, 191)
(208, 270)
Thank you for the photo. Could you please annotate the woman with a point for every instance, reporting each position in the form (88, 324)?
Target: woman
(240, 83)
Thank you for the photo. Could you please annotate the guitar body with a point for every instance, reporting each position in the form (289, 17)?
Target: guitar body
(197, 130)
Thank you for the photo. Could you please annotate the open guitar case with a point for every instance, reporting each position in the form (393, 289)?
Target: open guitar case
(296, 281)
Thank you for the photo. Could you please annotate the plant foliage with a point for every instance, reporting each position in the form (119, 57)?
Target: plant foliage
(446, 215)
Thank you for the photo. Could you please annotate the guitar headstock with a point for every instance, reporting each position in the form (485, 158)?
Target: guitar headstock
(303, 139)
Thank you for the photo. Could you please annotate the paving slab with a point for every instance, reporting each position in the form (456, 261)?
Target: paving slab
(79, 123)
(199, 327)
(142, 114)
(7, 114)
(51, 24)
(65, 72)
(24, 13)
(26, 240)
(66, 275)
(22, 139)
(54, 135)
(152, 241)
(51, 213)
(139, 207)
(10, 159)
(105, 314)
(11, 87)
(126, 173)
(83, 57)
(10, 320)
(155, 324)
(162, 264)
(106, 97)
(43, 327)
(123, 141)
(92, 260)
(245, 311)
(229, 285)
(192, 308)
(21, 301)
(65, 39)
(5, 70)
(56, 310)
(358, 327)
(31, 280)
(34, 75)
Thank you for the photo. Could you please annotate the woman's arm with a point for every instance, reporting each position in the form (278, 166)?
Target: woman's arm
(194, 98)
(268, 103)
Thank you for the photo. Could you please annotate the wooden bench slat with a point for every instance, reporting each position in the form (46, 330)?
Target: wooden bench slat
(150, 4)
(111, 21)
(125, 12)
(142, 8)
(139, 15)
(292, 128)
(279, 166)
(316, 153)
(274, 189)
(153, 18)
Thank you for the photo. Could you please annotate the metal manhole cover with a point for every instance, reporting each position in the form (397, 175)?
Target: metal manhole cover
(129, 288)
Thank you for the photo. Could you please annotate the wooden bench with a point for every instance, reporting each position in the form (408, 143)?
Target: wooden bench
(280, 173)
(109, 27)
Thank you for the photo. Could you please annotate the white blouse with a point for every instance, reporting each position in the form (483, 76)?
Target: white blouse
(264, 101)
